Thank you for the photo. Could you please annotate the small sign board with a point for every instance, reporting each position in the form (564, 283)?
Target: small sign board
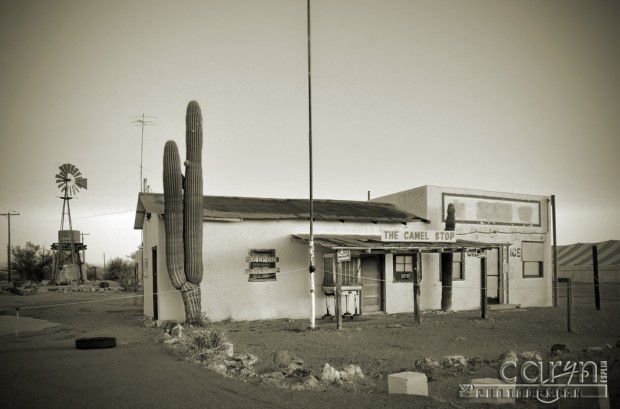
(262, 259)
(418, 236)
(343, 255)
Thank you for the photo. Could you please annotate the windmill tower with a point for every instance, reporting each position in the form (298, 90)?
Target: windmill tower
(67, 263)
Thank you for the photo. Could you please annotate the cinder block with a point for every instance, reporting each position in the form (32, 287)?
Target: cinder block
(494, 391)
(409, 383)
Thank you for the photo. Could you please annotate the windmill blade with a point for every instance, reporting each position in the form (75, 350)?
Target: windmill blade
(64, 168)
(73, 169)
(81, 182)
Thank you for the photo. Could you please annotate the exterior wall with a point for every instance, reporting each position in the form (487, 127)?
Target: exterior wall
(226, 291)
(428, 202)
(170, 304)
(399, 295)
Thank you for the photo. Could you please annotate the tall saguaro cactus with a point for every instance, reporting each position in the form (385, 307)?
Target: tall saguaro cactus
(183, 214)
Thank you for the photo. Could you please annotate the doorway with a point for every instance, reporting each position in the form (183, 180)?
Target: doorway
(372, 290)
(493, 276)
(154, 264)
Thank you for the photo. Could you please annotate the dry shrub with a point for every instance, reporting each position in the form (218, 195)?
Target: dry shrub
(201, 345)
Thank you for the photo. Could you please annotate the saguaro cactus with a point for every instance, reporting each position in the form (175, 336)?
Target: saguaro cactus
(183, 214)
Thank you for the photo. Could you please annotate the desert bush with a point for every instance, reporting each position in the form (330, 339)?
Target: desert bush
(201, 345)
(116, 268)
(129, 281)
(32, 262)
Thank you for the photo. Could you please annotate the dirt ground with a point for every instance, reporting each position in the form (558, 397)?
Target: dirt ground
(379, 344)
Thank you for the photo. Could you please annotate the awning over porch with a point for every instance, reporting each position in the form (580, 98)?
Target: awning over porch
(369, 243)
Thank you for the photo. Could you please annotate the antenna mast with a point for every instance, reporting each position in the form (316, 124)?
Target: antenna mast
(143, 121)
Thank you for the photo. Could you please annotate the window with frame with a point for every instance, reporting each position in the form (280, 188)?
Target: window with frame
(533, 256)
(404, 267)
(262, 265)
(350, 271)
(458, 266)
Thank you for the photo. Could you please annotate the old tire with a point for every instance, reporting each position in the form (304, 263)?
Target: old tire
(95, 342)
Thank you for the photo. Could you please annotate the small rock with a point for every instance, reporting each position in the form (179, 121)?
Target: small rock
(608, 346)
(594, 349)
(171, 341)
(218, 367)
(247, 360)
(352, 372)
(177, 331)
(531, 356)
(227, 350)
(279, 360)
(454, 361)
(330, 375)
(426, 364)
(273, 375)
(395, 326)
(460, 339)
(508, 356)
(311, 382)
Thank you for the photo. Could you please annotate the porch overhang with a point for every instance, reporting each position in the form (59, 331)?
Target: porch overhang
(370, 243)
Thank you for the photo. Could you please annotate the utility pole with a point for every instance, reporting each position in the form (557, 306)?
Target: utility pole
(142, 121)
(8, 215)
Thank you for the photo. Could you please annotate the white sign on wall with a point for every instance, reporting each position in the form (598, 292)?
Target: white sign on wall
(418, 236)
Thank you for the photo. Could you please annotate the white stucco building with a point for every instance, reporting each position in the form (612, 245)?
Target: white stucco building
(256, 257)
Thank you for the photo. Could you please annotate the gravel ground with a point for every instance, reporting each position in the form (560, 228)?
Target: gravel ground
(379, 344)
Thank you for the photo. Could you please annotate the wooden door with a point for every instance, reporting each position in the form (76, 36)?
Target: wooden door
(372, 290)
(493, 282)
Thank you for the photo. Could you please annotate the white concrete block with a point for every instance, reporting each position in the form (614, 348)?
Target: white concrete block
(409, 383)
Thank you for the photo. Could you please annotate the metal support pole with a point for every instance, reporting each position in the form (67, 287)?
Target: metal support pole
(416, 297)
(569, 302)
(483, 288)
(338, 295)
(312, 267)
(597, 294)
(555, 255)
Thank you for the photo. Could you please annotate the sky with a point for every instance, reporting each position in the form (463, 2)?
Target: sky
(507, 96)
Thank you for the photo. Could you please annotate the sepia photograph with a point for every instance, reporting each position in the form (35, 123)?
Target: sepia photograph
(309, 204)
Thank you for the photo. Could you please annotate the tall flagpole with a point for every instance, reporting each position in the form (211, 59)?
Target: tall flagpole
(311, 249)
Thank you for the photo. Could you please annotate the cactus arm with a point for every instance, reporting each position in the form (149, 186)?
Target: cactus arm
(192, 205)
(173, 214)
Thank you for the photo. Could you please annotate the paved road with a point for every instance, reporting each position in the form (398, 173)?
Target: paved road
(146, 376)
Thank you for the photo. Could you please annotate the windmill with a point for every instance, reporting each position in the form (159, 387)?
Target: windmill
(67, 263)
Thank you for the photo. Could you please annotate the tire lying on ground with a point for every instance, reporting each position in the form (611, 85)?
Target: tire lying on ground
(95, 342)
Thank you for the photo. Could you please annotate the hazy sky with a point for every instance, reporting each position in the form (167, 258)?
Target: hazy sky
(513, 96)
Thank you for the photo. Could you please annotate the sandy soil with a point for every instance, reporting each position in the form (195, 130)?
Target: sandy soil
(379, 344)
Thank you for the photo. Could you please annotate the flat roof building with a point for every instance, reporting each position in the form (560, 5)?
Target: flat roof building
(255, 253)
